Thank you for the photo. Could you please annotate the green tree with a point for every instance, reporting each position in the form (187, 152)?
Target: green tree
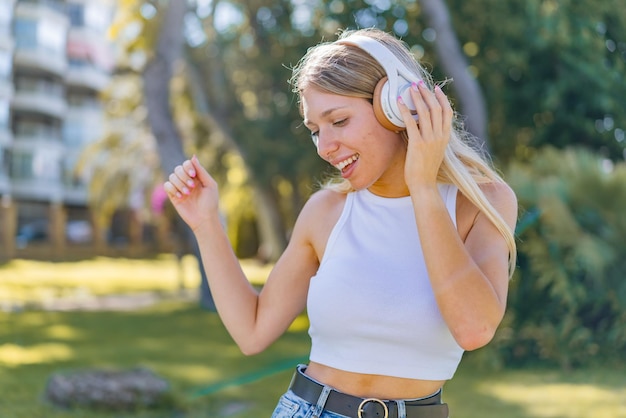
(426, 26)
(566, 301)
(123, 165)
(236, 75)
(552, 71)
(242, 76)
(157, 76)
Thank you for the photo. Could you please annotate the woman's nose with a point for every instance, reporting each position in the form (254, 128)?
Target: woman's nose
(326, 144)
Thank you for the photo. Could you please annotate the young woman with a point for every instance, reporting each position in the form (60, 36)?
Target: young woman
(402, 264)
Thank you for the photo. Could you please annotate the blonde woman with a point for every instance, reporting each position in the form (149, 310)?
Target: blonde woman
(402, 263)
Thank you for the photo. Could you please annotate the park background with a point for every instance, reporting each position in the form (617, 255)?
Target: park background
(541, 84)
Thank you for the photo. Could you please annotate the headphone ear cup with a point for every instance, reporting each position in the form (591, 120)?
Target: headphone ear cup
(378, 104)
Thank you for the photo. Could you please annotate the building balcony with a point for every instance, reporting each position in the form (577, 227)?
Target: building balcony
(42, 9)
(39, 102)
(83, 126)
(90, 59)
(40, 190)
(40, 59)
(75, 190)
(36, 169)
(75, 195)
(85, 76)
(37, 140)
(40, 34)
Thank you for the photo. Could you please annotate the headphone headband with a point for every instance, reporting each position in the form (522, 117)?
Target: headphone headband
(397, 83)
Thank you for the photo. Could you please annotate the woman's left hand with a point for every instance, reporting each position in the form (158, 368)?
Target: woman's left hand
(428, 137)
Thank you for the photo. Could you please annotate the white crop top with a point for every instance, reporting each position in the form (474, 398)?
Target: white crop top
(371, 306)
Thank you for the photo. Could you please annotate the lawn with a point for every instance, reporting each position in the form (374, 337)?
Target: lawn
(208, 375)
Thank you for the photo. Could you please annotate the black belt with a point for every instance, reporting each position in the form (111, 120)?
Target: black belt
(355, 407)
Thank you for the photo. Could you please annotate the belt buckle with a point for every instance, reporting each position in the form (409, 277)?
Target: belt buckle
(365, 401)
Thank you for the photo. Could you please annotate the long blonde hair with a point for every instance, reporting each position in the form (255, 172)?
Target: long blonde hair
(349, 71)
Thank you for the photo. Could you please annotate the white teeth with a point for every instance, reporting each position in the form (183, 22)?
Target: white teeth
(343, 164)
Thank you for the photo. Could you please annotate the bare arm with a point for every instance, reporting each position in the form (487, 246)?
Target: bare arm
(254, 320)
(469, 276)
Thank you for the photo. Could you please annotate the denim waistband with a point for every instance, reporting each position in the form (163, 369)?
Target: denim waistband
(328, 399)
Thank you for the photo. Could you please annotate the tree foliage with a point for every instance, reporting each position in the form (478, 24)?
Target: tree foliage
(567, 299)
(123, 165)
(553, 72)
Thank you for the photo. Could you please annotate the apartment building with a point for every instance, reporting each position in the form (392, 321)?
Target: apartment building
(55, 59)
(7, 44)
(6, 89)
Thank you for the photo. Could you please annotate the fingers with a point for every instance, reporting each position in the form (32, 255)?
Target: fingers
(419, 94)
(186, 177)
(446, 109)
(172, 191)
(179, 184)
(189, 168)
(411, 126)
(197, 171)
(181, 181)
(433, 110)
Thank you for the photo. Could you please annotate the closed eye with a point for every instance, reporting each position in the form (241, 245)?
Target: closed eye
(315, 138)
(315, 134)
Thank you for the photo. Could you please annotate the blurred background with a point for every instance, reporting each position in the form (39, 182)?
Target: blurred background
(101, 99)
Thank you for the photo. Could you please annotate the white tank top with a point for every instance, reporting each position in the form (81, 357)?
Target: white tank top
(371, 306)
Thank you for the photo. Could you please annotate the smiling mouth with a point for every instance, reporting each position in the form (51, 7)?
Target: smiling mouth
(345, 163)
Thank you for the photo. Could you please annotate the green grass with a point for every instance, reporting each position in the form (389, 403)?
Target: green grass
(208, 375)
(184, 344)
(24, 282)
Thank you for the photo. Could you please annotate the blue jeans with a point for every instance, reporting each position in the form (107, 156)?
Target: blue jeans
(292, 406)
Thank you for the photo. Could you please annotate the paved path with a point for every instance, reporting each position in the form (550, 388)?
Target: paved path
(118, 302)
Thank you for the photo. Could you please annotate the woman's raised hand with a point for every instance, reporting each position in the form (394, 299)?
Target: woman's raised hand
(429, 136)
(193, 192)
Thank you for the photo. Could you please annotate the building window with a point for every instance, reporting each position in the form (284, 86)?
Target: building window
(45, 86)
(25, 34)
(37, 129)
(97, 16)
(73, 133)
(44, 34)
(52, 36)
(22, 167)
(84, 101)
(91, 15)
(76, 14)
(47, 166)
(40, 165)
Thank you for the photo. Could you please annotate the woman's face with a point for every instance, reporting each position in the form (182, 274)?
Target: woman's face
(349, 137)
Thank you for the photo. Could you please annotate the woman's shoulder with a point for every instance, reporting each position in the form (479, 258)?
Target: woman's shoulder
(499, 194)
(325, 201)
(322, 210)
(318, 217)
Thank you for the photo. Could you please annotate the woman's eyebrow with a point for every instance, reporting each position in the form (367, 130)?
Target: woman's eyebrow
(324, 114)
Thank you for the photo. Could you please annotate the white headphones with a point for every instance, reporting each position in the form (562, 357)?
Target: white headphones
(396, 83)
